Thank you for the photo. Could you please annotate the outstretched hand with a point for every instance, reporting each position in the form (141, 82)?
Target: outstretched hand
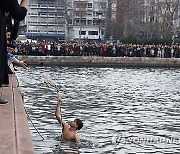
(22, 63)
(59, 97)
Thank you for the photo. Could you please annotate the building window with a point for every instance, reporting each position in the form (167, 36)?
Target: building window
(90, 5)
(89, 22)
(93, 33)
(95, 22)
(103, 5)
(89, 13)
(70, 21)
(83, 22)
(33, 14)
(51, 14)
(77, 22)
(102, 32)
(82, 33)
(43, 14)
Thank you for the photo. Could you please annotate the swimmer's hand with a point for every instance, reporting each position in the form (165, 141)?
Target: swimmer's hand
(59, 98)
(22, 63)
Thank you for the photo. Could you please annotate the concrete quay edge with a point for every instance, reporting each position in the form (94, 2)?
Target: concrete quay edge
(101, 61)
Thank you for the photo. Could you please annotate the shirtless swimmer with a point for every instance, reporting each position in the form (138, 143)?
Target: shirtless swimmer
(69, 132)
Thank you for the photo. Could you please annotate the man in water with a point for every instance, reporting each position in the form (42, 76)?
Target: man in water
(69, 132)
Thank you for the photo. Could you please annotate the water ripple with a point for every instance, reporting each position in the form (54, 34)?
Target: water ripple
(124, 110)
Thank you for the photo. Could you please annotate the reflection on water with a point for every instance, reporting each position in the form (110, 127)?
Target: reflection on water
(124, 110)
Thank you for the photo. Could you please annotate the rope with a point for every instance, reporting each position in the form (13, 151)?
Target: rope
(31, 120)
(50, 84)
(34, 126)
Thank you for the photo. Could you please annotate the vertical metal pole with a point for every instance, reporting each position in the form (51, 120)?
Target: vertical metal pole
(99, 30)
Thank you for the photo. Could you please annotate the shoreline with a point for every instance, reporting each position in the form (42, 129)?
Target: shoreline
(95, 61)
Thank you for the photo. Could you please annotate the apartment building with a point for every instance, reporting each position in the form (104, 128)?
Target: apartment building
(86, 20)
(45, 20)
(71, 20)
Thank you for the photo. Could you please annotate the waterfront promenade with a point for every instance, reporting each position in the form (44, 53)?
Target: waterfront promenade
(15, 137)
(101, 61)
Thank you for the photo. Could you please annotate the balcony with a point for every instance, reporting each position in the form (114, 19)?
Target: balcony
(33, 6)
(51, 6)
(43, 6)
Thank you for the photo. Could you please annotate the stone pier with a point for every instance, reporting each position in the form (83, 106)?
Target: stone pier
(101, 61)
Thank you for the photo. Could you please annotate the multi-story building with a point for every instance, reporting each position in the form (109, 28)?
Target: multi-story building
(45, 20)
(86, 20)
(71, 20)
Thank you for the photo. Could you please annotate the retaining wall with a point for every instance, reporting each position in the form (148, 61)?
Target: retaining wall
(101, 61)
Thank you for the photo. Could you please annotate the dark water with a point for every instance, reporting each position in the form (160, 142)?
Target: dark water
(124, 110)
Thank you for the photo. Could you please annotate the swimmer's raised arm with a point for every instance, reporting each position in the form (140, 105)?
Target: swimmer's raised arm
(58, 112)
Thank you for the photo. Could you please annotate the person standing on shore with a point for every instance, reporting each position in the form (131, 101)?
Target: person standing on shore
(17, 12)
(11, 58)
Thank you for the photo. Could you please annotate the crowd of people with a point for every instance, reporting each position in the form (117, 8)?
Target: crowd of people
(97, 49)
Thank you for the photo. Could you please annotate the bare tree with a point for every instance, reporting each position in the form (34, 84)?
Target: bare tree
(155, 19)
(109, 23)
(79, 12)
(159, 19)
(128, 18)
(168, 10)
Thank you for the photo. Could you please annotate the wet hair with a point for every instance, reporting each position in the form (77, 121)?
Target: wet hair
(79, 123)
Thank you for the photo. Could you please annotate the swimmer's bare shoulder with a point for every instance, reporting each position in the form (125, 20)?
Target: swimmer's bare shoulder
(77, 138)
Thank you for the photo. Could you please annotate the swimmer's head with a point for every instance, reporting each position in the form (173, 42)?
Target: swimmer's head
(77, 123)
